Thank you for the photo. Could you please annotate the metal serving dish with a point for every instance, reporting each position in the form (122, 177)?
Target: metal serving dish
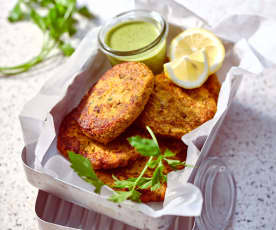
(74, 75)
(54, 213)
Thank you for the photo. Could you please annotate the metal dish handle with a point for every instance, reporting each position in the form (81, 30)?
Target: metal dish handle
(218, 188)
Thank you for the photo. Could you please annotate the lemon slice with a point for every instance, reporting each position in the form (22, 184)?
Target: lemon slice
(188, 72)
(196, 39)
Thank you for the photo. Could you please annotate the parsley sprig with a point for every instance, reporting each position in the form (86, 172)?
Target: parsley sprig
(148, 148)
(83, 168)
(132, 186)
(55, 18)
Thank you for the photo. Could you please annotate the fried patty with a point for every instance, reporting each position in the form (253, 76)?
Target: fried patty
(115, 101)
(213, 86)
(117, 153)
(135, 168)
(173, 111)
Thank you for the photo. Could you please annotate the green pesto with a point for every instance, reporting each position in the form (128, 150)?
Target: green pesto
(131, 35)
(134, 35)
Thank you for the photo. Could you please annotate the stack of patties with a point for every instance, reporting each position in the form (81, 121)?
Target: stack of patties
(125, 100)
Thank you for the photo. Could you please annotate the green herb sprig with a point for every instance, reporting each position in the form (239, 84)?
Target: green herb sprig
(56, 20)
(83, 168)
(146, 147)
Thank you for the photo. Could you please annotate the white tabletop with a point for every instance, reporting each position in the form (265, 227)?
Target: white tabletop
(245, 141)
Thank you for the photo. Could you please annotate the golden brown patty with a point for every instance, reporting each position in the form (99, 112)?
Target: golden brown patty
(115, 101)
(135, 168)
(213, 86)
(115, 154)
(173, 111)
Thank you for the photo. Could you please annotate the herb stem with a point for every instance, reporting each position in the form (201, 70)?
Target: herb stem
(153, 137)
(68, 12)
(47, 46)
(142, 173)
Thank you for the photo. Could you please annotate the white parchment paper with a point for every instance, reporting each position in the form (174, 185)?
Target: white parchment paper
(243, 37)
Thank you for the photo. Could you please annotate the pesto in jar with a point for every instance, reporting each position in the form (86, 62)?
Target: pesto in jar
(134, 35)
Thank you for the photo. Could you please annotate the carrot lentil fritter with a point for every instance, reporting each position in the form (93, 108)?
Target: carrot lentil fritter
(117, 153)
(115, 101)
(173, 111)
(135, 168)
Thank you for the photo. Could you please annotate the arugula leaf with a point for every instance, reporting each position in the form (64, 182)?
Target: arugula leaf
(145, 147)
(83, 168)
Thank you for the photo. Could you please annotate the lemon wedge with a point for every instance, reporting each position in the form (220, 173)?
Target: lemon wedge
(197, 39)
(188, 72)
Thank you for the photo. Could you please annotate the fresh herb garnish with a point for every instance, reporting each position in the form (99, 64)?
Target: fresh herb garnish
(149, 148)
(56, 20)
(146, 147)
(83, 168)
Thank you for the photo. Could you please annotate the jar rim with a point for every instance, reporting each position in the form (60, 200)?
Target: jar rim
(151, 14)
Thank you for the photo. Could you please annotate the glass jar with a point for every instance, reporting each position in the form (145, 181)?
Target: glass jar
(151, 53)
